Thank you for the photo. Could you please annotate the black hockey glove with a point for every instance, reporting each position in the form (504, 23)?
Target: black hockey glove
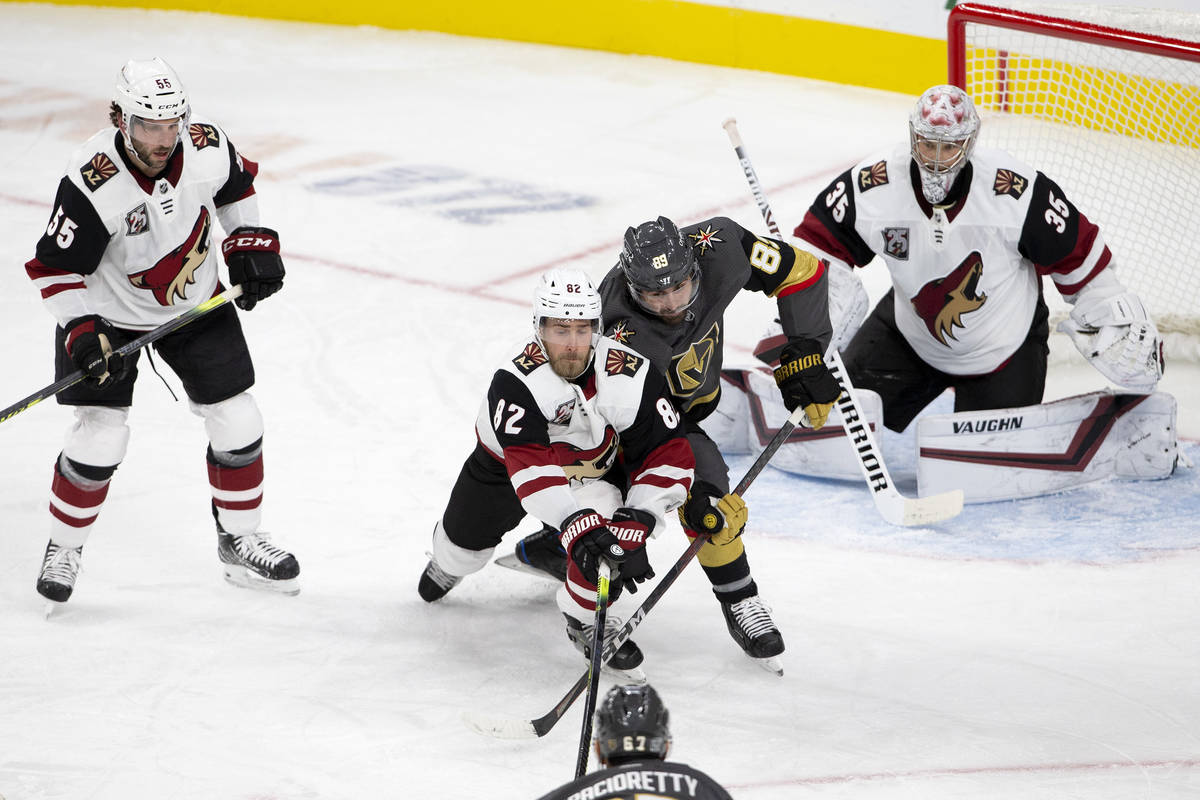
(252, 255)
(805, 382)
(721, 516)
(631, 526)
(91, 342)
(586, 538)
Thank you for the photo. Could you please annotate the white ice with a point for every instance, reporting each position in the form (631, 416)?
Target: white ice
(1045, 649)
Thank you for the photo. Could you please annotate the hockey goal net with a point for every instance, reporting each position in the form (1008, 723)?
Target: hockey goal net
(1106, 101)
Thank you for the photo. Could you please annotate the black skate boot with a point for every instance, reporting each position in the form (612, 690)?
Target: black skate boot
(60, 565)
(542, 551)
(435, 583)
(251, 561)
(751, 626)
(625, 663)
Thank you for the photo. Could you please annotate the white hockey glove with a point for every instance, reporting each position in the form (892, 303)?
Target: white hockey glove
(848, 304)
(1115, 334)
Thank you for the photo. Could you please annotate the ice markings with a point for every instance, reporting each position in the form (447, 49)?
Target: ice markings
(451, 192)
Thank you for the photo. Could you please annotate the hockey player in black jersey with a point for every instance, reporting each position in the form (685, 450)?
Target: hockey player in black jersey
(130, 245)
(632, 740)
(666, 299)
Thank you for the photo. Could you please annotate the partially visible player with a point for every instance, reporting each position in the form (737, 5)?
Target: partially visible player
(666, 299)
(632, 740)
(967, 233)
(130, 245)
(564, 405)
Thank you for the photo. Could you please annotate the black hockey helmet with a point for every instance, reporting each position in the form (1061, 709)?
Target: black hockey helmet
(656, 257)
(632, 723)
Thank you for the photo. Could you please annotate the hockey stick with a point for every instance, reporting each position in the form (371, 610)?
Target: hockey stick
(169, 326)
(594, 665)
(508, 728)
(893, 506)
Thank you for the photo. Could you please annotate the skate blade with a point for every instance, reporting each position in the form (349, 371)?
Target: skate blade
(512, 562)
(772, 664)
(247, 579)
(50, 607)
(634, 675)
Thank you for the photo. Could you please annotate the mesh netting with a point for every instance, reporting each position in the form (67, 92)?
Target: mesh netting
(1118, 129)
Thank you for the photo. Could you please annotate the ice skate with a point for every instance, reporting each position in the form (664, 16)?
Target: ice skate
(751, 626)
(539, 554)
(251, 561)
(625, 665)
(435, 583)
(60, 565)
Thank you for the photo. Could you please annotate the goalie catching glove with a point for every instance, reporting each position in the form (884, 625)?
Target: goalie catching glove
(805, 382)
(91, 343)
(721, 517)
(588, 537)
(1118, 338)
(252, 255)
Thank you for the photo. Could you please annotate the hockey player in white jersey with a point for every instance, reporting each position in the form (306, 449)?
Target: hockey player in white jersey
(130, 245)
(569, 414)
(967, 234)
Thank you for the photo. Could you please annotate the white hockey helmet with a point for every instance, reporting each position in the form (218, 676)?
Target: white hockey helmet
(566, 294)
(943, 127)
(151, 90)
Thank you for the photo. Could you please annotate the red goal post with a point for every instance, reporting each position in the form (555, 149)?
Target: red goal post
(1106, 101)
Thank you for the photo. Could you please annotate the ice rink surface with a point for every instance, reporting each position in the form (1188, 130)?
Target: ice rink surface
(1034, 650)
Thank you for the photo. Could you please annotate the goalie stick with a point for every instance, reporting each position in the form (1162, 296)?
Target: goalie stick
(509, 728)
(171, 325)
(893, 506)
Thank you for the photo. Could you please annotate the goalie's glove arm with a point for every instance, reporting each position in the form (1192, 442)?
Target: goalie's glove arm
(1110, 327)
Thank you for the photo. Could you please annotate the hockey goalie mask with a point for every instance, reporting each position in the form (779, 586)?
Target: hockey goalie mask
(942, 129)
(660, 269)
(154, 110)
(566, 320)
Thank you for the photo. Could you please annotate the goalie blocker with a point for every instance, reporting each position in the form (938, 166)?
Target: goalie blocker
(1012, 453)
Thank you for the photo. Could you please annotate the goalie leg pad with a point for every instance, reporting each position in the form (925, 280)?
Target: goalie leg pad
(1012, 453)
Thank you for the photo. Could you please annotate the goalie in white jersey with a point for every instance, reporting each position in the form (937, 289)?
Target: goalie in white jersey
(128, 247)
(569, 415)
(967, 234)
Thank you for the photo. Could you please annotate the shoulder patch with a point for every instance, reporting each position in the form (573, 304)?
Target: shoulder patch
(705, 238)
(621, 333)
(622, 362)
(872, 176)
(530, 359)
(1009, 183)
(97, 171)
(204, 135)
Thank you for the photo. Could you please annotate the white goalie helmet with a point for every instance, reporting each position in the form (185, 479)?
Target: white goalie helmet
(943, 127)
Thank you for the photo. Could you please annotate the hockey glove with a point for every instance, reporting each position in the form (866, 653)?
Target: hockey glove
(707, 511)
(632, 526)
(586, 538)
(252, 255)
(1118, 338)
(91, 343)
(805, 382)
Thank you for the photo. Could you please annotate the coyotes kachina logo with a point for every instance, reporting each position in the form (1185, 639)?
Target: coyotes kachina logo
(1009, 183)
(583, 466)
(872, 176)
(174, 272)
(530, 359)
(941, 303)
(97, 171)
(203, 135)
(621, 362)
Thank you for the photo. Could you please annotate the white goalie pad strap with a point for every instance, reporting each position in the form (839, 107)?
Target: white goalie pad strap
(823, 454)
(1012, 453)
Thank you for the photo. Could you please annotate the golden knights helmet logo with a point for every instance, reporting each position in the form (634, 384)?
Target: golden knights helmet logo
(941, 303)
(174, 272)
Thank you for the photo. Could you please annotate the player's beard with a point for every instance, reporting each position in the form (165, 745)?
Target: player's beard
(153, 157)
(570, 365)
